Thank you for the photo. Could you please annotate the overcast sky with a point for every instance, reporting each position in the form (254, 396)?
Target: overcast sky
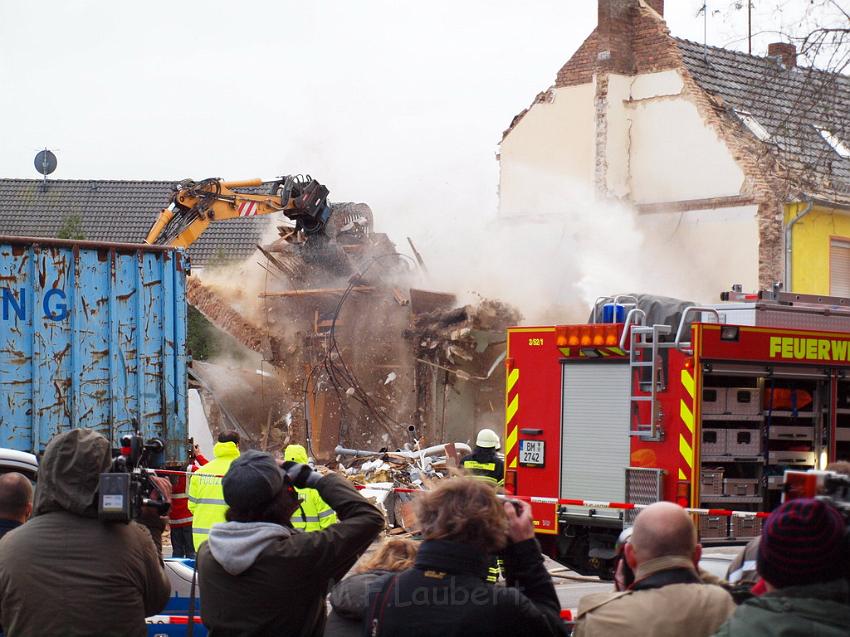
(386, 101)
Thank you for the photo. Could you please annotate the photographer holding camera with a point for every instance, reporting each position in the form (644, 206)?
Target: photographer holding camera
(446, 593)
(67, 573)
(259, 575)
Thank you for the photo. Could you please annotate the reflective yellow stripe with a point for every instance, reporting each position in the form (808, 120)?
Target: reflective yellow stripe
(688, 383)
(513, 406)
(513, 377)
(486, 479)
(686, 451)
(510, 441)
(484, 466)
(686, 415)
(513, 464)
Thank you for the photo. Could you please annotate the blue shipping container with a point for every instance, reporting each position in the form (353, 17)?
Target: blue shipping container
(91, 335)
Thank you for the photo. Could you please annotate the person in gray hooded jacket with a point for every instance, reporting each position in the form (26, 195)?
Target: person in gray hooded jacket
(65, 572)
(259, 576)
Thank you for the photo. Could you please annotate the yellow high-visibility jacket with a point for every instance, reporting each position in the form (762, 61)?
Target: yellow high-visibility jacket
(314, 514)
(206, 496)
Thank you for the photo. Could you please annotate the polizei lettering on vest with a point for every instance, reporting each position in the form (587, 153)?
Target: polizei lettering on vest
(14, 305)
(809, 349)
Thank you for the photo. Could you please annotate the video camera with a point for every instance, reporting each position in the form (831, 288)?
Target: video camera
(127, 487)
(825, 485)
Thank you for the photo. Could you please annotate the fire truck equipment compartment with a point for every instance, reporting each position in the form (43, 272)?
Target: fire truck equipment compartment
(742, 443)
(711, 482)
(740, 486)
(746, 527)
(714, 400)
(713, 526)
(714, 442)
(791, 457)
(743, 401)
(784, 432)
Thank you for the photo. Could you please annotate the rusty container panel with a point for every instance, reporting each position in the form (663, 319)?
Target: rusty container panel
(91, 335)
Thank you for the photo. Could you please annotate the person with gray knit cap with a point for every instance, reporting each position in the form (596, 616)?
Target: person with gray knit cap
(259, 575)
(803, 560)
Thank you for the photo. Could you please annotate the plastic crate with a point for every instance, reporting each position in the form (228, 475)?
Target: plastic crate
(783, 432)
(713, 526)
(711, 482)
(740, 486)
(743, 401)
(746, 527)
(713, 442)
(743, 443)
(713, 400)
(802, 458)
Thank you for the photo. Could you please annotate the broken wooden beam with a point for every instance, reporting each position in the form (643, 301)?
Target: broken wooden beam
(315, 292)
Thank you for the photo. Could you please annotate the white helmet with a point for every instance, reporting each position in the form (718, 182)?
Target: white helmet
(488, 439)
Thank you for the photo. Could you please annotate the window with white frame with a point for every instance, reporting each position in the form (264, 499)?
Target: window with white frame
(839, 267)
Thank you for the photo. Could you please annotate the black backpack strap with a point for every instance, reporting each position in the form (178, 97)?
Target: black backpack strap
(375, 617)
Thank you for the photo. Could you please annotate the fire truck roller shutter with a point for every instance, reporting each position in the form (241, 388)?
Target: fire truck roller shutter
(595, 442)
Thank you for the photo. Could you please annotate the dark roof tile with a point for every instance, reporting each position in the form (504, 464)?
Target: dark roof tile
(790, 103)
(115, 211)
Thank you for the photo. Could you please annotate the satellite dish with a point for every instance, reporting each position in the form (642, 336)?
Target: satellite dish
(45, 162)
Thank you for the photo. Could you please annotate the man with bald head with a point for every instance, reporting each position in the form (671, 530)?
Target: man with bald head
(15, 501)
(667, 596)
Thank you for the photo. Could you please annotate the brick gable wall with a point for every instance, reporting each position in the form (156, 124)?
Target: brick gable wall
(645, 45)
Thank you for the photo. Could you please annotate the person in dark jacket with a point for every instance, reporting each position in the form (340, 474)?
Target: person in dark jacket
(445, 594)
(349, 599)
(260, 576)
(484, 463)
(65, 572)
(803, 561)
(15, 501)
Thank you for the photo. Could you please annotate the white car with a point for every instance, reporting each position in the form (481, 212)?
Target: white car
(20, 461)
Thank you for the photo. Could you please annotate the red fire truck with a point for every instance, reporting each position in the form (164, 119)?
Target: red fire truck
(706, 406)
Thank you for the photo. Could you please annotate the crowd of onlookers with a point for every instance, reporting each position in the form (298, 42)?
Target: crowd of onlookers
(65, 572)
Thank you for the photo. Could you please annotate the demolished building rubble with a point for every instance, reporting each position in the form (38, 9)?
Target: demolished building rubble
(360, 356)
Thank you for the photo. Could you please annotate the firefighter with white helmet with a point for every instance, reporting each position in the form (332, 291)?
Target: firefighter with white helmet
(484, 463)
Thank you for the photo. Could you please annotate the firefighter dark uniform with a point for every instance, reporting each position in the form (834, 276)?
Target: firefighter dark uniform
(484, 464)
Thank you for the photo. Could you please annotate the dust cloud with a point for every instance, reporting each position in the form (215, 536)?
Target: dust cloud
(557, 255)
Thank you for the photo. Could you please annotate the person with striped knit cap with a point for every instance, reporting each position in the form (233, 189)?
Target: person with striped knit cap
(803, 560)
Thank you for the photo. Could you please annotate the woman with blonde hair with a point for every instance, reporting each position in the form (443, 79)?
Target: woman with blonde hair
(349, 599)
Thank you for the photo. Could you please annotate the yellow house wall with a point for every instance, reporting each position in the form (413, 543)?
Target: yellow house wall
(810, 246)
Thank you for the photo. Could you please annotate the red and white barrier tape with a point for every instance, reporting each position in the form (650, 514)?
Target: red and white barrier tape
(593, 504)
(170, 619)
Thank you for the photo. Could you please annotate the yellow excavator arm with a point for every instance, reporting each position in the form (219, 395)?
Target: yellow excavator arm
(194, 205)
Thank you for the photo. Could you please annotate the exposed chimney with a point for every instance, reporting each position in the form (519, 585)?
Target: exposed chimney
(615, 32)
(785, 51)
